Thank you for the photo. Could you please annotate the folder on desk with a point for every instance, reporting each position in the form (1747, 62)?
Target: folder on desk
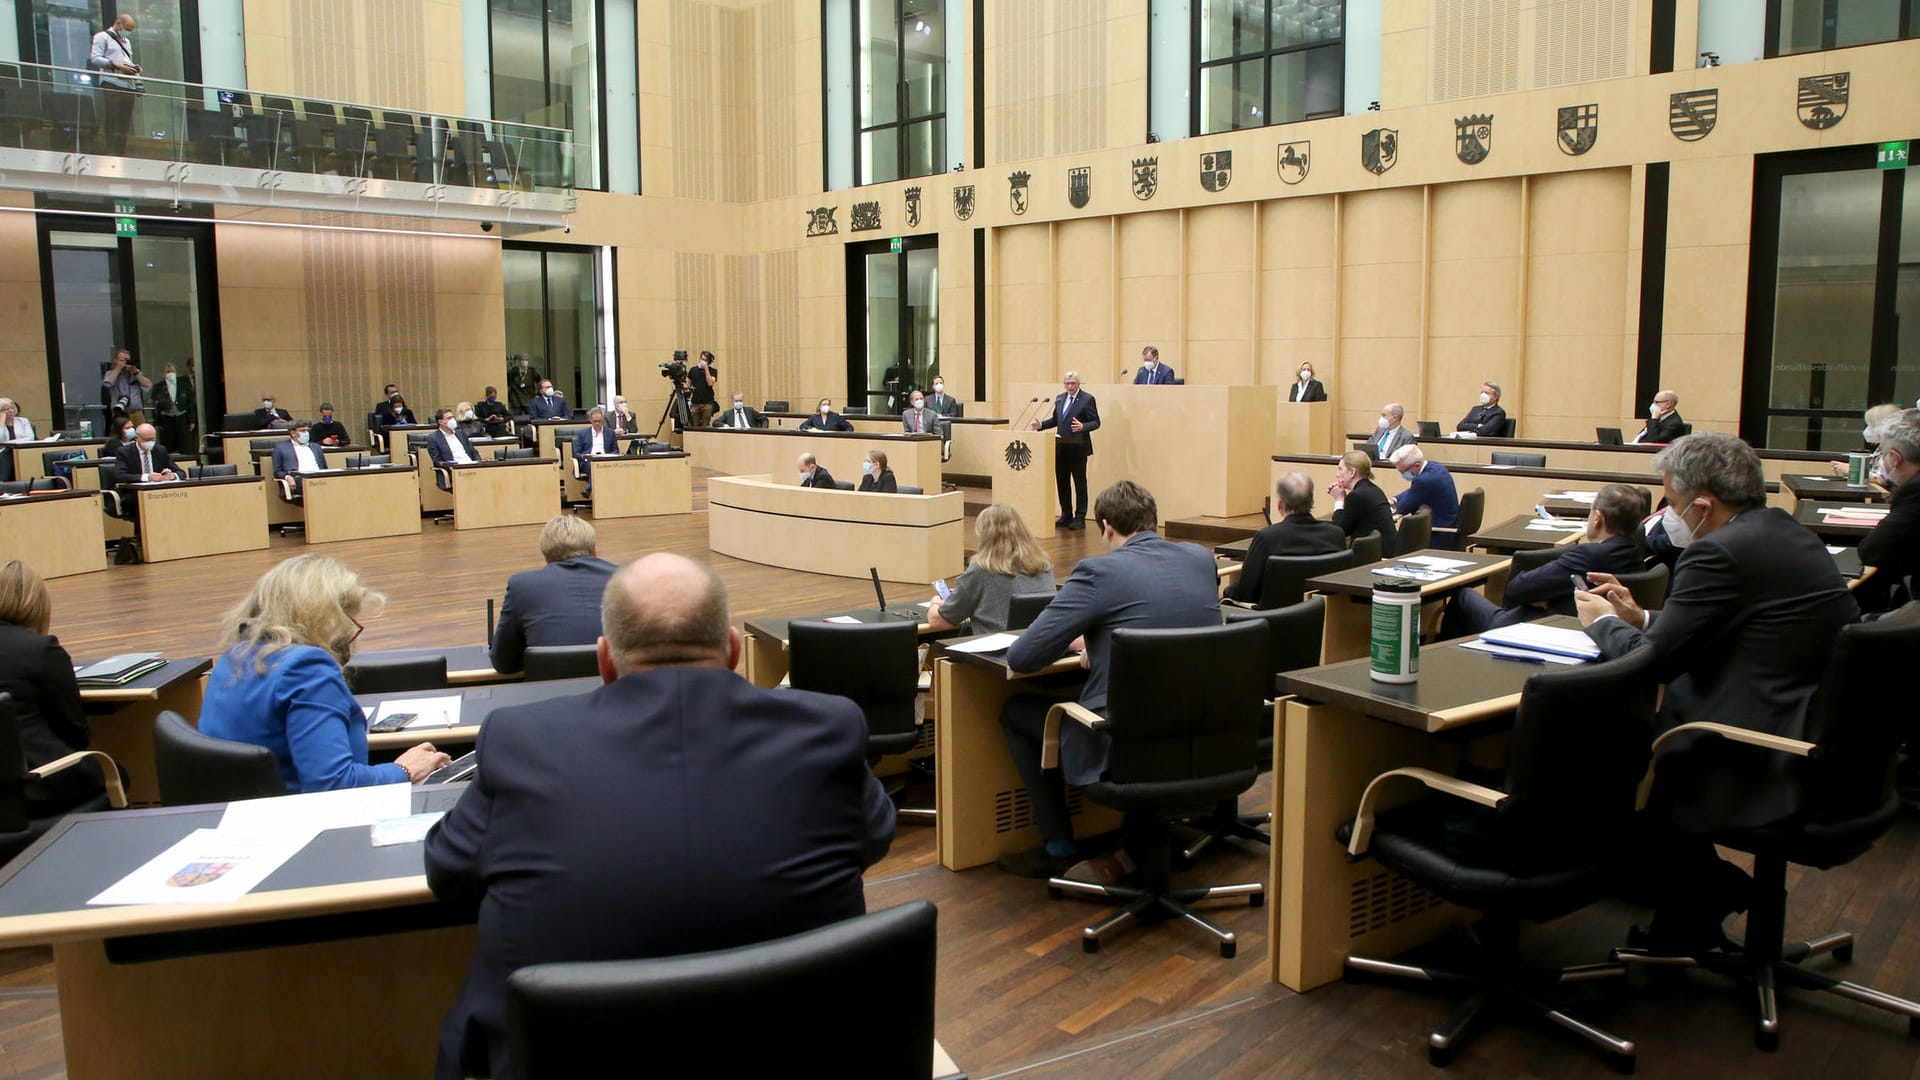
(118, 670)
(1554, 640)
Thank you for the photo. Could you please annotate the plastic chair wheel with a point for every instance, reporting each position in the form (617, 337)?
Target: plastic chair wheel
(1227, 949)
(1768, 1041)
(1090, 945)
(1258, 899)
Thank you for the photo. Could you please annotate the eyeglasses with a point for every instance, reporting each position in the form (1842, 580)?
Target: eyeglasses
(357, 629)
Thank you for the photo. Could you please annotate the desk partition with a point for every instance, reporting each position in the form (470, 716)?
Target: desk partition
(236, 447)
(772, 452)
(355, 504)
(183, 519)
(432, 499)
(628, 486)
(909, 538)
(1593, 457)
(58, 533)
(512, 491)
(1509, 491)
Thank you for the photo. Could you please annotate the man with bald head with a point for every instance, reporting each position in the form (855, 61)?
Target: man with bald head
(677, 808)
(144, 460)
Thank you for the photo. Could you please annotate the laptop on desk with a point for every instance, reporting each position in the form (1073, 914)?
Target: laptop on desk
(1608, 436)
(1429, 429)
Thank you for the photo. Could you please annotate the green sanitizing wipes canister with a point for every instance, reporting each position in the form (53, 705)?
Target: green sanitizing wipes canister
(1396, 632)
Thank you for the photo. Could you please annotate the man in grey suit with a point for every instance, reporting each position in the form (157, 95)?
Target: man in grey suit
(1391, 435)
(920, 420)
(1143, 582)
(1742, 640)
(558, 604)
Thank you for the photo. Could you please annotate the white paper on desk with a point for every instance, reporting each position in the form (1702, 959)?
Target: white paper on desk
(429, 712)
(1511, 653)
(1435, 562)
(842, 619)
(1548, 639)
(1498, 466)
(317, 811)
(209, 866)
(990, 643)
(1855, 511)
(411, 829)
(1411, 573)
(1579, 496)
(1831, 550)
(1555, 526)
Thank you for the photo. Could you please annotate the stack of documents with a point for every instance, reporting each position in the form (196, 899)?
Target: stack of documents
(1425, 568)
(118, 670)
(1537, 644)
(1864, 516)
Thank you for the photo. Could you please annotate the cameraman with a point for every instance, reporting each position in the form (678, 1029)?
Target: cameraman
(126, 386)
(703, 375)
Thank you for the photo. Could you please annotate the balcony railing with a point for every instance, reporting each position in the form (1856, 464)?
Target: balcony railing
(88, 131)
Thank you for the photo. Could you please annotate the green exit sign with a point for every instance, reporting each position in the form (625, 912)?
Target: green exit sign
(126, 226)
(895, 245)
(1893, 155)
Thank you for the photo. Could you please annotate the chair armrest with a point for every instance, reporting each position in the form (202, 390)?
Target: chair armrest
(116, 792)
(1050, 735)
(1761, 739)
(579, 471)
(119, 510)
(1865, 573)
(1440, 782)
(286, 489)
(1228, 571)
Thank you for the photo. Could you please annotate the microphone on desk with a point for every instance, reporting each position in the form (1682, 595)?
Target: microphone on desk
(1124, 372)
(1026, 414)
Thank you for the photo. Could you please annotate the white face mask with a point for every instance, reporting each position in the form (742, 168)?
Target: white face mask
(620, 407)
(1305, 375)
(546, 391)
(1866, 435)
(939, 388)
(468, 415)
(127, 434)
(147, 446)
(447, 423)
(1653, 410)
(739, 406)
(804, 475)
(303, 437)
(1486, 399)
(267, 404)
(919, 403)
(1678, 531)
(825, 409)
(1383, 423)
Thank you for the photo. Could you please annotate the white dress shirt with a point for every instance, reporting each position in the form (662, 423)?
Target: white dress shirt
(455, 450)
(308, 458)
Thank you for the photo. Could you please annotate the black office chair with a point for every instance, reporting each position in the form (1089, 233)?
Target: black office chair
(1551, 840)
(236, 421)
(208, 472)
(543, 662)
(1284, 581)
(1686, 429)
(843, 485)
(876, 666)
(1512, 426)
(1532, 559)
(1848, 800)
(17, 829)
(1529, 461)
(1416, 531)
(860, 989)
(393, 145)
(15, 487)
(1473, 510)
(520, 452)
(193, 768)
(389, 676)
(1366, 549)
(1023, 608)
(775, 405)
(904, 489)
(1649, 586)
(1182, 710)
(368, 461)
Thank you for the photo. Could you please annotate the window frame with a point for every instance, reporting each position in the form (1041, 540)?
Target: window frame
(1266, 57)
(599, 134)
(902, 120)
(1770, 50)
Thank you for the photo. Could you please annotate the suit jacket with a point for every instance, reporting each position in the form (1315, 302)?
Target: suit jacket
(1486, 421)
(946, 405)
(1743, 639)
(1148, 582)
(1161, 375)
(548, 408)
(493, 414)
(286, 460)
(583, 443)
(1664, 430)
(1366, 511)
(1084, 410)
(47, 711)
(832, 422)
(1433, 487)
(441, 454)
(1550, 583)
(1396, 438)
(821, 478)
(128, 456)
(1314, 391)
(695, 771)
(1893, 546)
(724, 418)
(930, 422)
(1295, 534)
(884, 483)
(558, 604)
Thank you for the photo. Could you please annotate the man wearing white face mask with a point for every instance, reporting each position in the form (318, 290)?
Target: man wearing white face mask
(268, 415)
(1743, 640)
(1391, 433)
(1306, 387)
(447, 446)
(296, 455)
(1663, 420)
(1486, 420)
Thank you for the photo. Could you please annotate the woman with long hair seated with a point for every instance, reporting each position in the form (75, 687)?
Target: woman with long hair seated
(1009, 562)
(878, 476)
(37, 672)
(280, 680)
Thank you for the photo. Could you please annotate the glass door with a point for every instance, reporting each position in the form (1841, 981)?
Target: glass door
(166, 45)
(553, 308)
(893, 324)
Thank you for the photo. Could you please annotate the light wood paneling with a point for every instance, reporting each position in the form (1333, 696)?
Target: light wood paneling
(907, 537)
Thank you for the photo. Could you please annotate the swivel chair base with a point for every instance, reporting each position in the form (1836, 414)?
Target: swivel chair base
(1151, 903)
(1505, 988)
(1229, 824)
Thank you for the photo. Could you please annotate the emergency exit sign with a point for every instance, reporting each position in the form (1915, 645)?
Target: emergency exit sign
(1893, 155)
(125, 225)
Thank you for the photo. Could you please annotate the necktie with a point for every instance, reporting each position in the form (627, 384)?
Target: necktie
(916, 421)
(146, 464)
(739, 418)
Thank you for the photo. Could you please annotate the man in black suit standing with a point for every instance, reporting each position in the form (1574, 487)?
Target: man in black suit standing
(1076, 417)
(676, 809)
(1611, 546)
(1359, 506)
(1742, 640)
(1296, 533)
(448, 445)
(740, 414)
(1892, 548)
(558, 604)
(1663, 420)
(813, 474)
(1486, 420)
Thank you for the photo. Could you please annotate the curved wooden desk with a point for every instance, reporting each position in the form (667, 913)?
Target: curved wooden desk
(771, 452)
(908, 537)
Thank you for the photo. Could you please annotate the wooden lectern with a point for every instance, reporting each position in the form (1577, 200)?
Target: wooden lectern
(1023, 475)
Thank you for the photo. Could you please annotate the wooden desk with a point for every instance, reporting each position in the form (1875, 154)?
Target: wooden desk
(984, 809)
(236, 447)
(907, 537)
(58, 533)
(121, 718)
(555, 438)
(1509, 491)
(510, 491)
(279, 510)
(1809, 513)
(1591, 456)
(182, 519)
(30, 457)
(1350, 596)
(972, 447)
(771, 452)
(1339, 730)
(1513, 535)
(1803, 486)
(764, 662)
(467, 665)
(627, 486)
(476, 704)
(432, 499)
(354, 504)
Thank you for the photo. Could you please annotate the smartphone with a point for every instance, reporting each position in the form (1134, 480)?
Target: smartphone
(393, 722)
(941, 590)
(1580, 583)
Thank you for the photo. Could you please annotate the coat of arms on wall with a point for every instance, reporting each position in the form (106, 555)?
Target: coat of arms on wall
(1216, 170)
(1691, 113)
(963, 202)
(1379, 150)
(1823, 99)
(1017, 191)
(913, 207)
(820, 221)
(1293, 160)
(1473, 138)
(1080, 186)
(1146, 177)
(1579, 129)
(866, 216)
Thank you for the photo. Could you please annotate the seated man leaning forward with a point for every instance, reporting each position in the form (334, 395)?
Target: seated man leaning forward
(558, 604)
(1143, 582)
(676, 809)
(1611, 546)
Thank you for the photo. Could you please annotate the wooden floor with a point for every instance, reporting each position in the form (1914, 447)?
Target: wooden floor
(1017, 997)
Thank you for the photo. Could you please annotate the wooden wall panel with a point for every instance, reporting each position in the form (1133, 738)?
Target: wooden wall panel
(1297, 290)
(1085, 316)
(400, 54)
(1221, 244)
(1578, 295)
(23, 349)
(1473, 323)
(1382, 240)
(1023, 297)
(1150, 285)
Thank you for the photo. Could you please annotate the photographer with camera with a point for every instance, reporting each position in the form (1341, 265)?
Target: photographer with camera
(112, 55)
(126, 386)
(704, 374)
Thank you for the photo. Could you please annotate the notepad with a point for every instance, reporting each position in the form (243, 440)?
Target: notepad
(430, 712)
(847, 620)
(1558, 641)
(987, 644)
(1531, 656)
(1436, 563)
(1855, 511)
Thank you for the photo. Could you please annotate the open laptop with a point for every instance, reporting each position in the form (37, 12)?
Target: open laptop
(916, 614)
(460, 768)
(1607, 436)
(1429, 429)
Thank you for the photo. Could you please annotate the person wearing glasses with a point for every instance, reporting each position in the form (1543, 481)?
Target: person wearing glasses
(280, 680)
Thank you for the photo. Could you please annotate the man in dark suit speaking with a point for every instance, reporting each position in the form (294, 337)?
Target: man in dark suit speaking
(1743, 640)
(1076, 417)
(676, 809)
(558, 604)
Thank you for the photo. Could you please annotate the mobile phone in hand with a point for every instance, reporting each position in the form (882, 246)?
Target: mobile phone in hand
(1580, 583)
(941, 590)
(393, 722)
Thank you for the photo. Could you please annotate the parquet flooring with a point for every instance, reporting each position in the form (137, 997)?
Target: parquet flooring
(1017, 997)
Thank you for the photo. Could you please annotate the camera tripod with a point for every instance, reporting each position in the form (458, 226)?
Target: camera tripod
(676, 410)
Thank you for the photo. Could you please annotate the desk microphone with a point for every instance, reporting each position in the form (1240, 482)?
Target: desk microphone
(1026, 414)
(1123, 372)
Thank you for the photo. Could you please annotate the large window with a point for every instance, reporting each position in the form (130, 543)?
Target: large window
(546, 70)
(891, 70)
(553, 307)
(1261, 62)
(1802, 26)
(893, 322)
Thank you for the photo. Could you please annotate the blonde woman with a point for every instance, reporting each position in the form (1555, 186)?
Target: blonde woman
(38, 673)
(467, 423)
(1009, 562)
(279, 682)
(1870, 437)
